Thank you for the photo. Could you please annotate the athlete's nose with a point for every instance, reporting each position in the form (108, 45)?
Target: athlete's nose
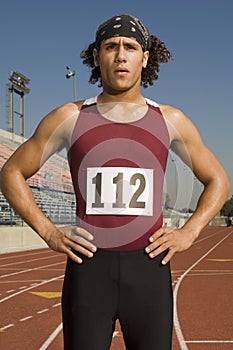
(120, 54)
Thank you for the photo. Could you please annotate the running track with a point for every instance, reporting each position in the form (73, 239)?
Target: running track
(30, 293)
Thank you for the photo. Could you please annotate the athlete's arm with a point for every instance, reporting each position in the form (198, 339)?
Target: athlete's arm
(51, 135)
(187, 143)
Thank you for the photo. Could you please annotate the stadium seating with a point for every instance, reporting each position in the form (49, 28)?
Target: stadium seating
(52, 187)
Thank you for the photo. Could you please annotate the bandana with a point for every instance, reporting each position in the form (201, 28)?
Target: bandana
(124, 25)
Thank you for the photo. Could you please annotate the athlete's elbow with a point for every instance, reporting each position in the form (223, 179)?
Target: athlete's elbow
(3, 177)
(8, 175)
(226, 185)
(222, 184)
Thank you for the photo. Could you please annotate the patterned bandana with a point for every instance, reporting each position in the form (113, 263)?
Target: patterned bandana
(124, 25)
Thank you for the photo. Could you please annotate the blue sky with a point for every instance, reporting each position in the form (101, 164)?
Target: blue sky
(40, 37)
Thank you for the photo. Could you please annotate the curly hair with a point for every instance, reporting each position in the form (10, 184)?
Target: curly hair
(158, 53)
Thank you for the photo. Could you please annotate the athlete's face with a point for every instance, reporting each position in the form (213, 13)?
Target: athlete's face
(121, 60)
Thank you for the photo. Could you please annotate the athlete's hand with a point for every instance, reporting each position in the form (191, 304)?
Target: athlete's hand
(167, 238)
(65, 238)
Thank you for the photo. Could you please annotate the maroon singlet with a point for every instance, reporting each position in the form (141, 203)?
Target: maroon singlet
(98, 142)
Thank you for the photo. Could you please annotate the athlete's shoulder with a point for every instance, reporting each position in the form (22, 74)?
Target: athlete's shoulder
(61, 117)
(168, 111)
(61, 114)
(179, 124)
(172, 114)
(67, 109)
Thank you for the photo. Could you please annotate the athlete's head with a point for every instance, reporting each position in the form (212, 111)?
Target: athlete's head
(123, 25)
(132, 27)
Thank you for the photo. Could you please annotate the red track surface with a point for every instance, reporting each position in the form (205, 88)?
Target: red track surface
(202, 283)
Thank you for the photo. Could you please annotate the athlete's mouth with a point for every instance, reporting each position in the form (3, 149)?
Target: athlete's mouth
(121, 71)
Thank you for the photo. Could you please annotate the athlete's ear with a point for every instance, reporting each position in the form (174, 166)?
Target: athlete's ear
(145, 59)
(96, 57)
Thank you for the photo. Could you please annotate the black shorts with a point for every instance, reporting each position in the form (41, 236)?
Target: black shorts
(125, 285)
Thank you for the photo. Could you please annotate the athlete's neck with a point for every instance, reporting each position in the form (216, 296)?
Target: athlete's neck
(123, 97)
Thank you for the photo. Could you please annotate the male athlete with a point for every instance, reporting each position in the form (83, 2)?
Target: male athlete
(117, 143)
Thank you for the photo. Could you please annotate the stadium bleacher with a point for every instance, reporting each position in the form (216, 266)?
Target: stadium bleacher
(51, 186)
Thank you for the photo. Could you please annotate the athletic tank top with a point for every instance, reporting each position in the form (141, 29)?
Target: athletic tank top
(117, 170)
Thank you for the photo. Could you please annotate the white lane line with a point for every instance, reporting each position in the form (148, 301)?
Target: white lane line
(35, 281)
(34, 284)
(27, 253)
(32, 260)
(51, 338)
(56, 305)
(210, 236)
(25, 318)
(217, 273)
(28, 317)
(198, 273)
(177, 326)
(6, 327)
(42, 311)
(29, 288)
(28, 270)
(209, 341)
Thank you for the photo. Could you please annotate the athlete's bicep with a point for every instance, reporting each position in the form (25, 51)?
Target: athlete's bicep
(49, 137)
(192, 150)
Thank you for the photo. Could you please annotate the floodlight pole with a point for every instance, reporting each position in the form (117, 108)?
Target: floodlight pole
(18, 85)
(72, 73)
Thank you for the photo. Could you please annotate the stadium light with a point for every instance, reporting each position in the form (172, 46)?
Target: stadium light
(18, 84)
(71, 73)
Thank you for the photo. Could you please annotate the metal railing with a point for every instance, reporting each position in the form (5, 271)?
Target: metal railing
(58, 213)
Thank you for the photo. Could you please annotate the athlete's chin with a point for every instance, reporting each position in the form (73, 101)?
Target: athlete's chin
(115, 86)
(119, 89)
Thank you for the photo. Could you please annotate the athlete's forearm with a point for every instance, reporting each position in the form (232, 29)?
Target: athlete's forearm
(17, 192)
(210, 203)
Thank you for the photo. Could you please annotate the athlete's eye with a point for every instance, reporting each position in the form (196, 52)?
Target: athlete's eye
(131, 47)
(110, 47)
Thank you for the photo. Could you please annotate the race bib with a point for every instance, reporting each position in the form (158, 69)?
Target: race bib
(119, 191)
